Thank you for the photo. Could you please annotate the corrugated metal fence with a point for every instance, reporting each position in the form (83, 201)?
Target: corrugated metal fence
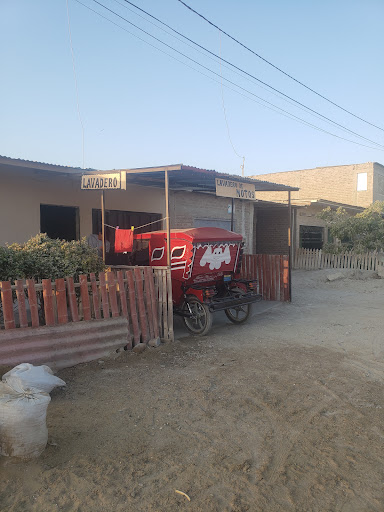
(312, 259)
(271, 273)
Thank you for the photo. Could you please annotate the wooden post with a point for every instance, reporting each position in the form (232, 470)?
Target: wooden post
(95, 296)
(32, 299)
(132, 307)
(72, 299)
(6, 299)
(141, 305)
(48, 302)
(104, 295)
(23, 319)
(85, 297)
(167, 219)
(61, 301)
(112, 294)
(289, 247)
(103, 222)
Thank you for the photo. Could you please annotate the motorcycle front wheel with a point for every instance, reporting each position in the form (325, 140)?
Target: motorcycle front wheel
(201, 322)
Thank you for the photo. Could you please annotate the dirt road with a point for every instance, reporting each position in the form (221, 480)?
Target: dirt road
(284, 413)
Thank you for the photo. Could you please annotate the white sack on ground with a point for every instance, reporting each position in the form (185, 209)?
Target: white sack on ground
(26, 376)
(23, 428)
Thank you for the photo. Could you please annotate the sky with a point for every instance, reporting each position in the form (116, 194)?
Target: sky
(141, 107)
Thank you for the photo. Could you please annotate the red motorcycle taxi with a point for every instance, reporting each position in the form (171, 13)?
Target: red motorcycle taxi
(205, 267)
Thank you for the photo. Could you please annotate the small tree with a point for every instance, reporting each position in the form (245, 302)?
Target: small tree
(361, 233)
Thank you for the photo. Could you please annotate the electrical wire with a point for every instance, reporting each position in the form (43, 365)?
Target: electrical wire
(279, 69)
(302, 105)
(75, 78)
(225, 113)
(265, 104)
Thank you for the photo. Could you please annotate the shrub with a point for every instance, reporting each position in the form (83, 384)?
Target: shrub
(45, 258)
(361, 233)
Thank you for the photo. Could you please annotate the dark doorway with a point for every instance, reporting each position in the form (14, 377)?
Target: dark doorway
(125, 220)
(59, 221)
(311, 237)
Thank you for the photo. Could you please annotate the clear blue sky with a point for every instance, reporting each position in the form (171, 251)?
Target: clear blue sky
(142, 108)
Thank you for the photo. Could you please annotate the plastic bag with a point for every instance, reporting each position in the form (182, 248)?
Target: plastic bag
(23, 428)
(26, 376)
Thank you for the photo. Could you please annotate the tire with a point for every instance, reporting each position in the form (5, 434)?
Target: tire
(238, 314)
(203, 323)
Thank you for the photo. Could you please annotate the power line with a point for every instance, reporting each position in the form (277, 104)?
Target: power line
(250, 75)
(279, 69)
(269, 105)
(75, 77)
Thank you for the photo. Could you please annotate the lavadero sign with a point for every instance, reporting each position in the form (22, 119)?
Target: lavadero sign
(110, 181)
(235, 189)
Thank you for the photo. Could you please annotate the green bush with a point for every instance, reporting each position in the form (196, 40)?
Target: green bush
(360, 233)
(45, 258)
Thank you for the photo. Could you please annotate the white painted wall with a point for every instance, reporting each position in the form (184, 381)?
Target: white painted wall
(21, 194)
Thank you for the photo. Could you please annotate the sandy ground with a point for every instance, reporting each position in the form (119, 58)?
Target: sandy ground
(284, 413)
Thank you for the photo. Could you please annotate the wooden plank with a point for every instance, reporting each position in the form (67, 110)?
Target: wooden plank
(83, 279)
(124, 305)
(273, 276)
(95, 296)
(259, 274)
(148, 301)
(104, 295)
(286, 278)
(281, 277)
(122, 293)
(170, 306)
(141, 305)
(132, 307)
(20, 294)
(113, 294)
(33, 306)
(7, 301)
(254, 267)
(72, 299)
(61, 301)
(154, 303)
(165, 303)
(48, 302)
(157, 274)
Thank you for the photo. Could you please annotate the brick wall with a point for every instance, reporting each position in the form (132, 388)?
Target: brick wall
(272, 231)
(378, 182)
(338, 183)
(186, 207)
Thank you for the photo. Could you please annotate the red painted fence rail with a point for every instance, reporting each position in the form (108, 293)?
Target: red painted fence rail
(135, 294)
(271, 272)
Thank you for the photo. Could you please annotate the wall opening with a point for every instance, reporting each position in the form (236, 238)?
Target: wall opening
(311, 237)
(60, 221)
(125, 219)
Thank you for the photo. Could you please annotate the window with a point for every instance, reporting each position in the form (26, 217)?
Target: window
(362, 181)
(59, 221)
(311, 237)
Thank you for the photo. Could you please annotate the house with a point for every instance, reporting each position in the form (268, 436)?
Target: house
(39, 197)
(353, 187)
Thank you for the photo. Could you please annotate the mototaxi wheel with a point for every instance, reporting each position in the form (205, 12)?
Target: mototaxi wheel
(202, 321)
(238, 314)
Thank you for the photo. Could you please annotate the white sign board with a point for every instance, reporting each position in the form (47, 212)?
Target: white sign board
(110, 181)
(235, 189)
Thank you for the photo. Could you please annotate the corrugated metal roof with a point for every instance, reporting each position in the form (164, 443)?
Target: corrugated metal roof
(6, 161)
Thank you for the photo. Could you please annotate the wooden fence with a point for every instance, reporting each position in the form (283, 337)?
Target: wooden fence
(312, 259)
(271, 272)
(143, 295)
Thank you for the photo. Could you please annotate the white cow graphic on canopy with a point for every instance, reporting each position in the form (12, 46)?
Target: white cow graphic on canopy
(216, 257)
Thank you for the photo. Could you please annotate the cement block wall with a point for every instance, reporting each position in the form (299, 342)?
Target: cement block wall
(338, 183)
(186, 208)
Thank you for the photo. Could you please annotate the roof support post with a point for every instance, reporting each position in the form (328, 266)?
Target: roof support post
(167, 219)
(103, 222)
(289, 247)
